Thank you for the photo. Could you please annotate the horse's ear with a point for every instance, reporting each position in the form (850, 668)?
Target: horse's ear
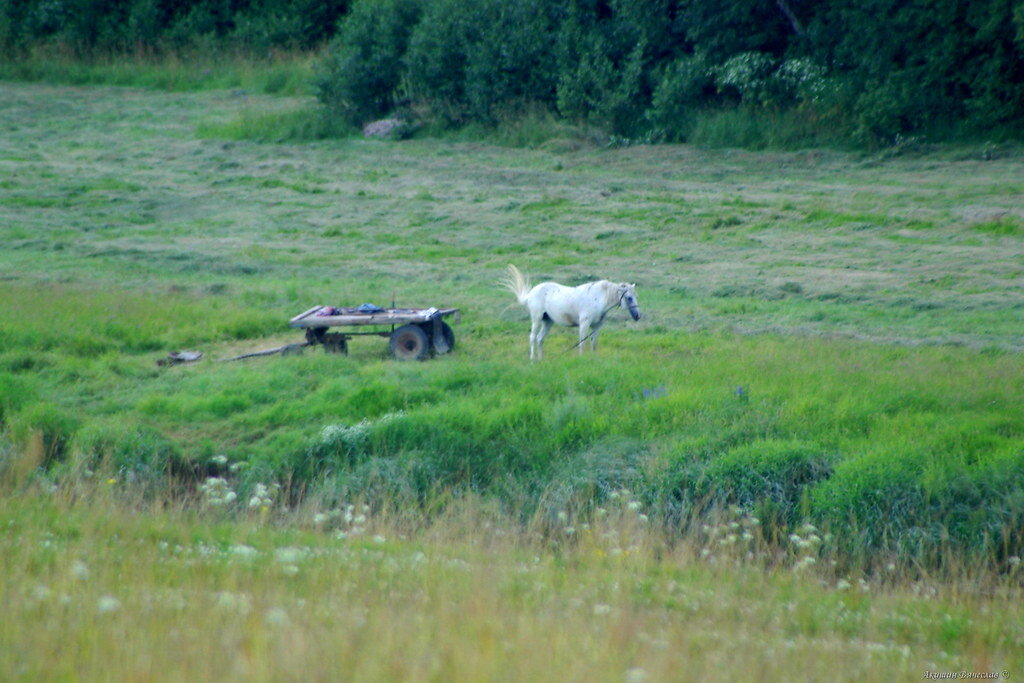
(632, 286)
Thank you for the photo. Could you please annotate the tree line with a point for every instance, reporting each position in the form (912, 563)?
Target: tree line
(874, 71)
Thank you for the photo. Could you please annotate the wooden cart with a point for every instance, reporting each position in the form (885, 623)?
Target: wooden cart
(413, 332)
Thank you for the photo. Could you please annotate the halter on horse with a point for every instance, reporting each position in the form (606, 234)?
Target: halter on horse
(584, 306)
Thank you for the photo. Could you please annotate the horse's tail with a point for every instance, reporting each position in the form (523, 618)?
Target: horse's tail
(516, 283)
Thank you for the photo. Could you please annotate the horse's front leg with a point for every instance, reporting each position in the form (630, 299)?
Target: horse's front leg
(584, 332)
(593, 337)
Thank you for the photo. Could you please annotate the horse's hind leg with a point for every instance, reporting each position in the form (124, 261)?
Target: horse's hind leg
(535, 338)
(545, 327)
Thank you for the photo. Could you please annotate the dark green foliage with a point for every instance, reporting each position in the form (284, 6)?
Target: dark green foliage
(54, 426)
(916, 506)
(873, 73)
(768, 476)
(474, 60)
(138, 452)
(683, 87)
(359, 78)
(102, 27)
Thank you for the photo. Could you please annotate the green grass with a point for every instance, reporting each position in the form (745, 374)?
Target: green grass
(832, 337)
(283, 74)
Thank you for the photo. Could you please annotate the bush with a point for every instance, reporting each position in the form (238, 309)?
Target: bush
(471, 60)
(137, 452)
(911, 504)
(685, 86)
(54, 426)
(771, 477)
(359, 77)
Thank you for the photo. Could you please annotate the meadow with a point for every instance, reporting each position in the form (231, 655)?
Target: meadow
(828, 338)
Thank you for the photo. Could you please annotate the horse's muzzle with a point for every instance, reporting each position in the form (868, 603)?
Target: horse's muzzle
(635, 312)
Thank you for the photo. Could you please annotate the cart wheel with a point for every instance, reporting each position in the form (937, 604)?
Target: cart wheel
(447, 341)
(409, 342)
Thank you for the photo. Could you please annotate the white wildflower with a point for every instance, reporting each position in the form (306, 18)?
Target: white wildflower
(636, 675)
(243, 551)
(600, 609)
(233, 601)
(107, 603)
(289, 555)
(277, 616)
(79, 570)
(219, 460)
(842, 585)
(41, 593)
(804, 563)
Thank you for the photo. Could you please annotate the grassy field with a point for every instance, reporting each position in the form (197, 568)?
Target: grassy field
(97, 591)
(827, 338)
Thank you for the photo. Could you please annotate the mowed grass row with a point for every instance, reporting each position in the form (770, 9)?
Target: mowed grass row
(126, 236)
(93, 589)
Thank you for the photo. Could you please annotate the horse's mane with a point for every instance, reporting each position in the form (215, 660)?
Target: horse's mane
(611, 291)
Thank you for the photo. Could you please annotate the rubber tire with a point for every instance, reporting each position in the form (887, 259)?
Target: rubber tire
(409, 342)
(446, 330)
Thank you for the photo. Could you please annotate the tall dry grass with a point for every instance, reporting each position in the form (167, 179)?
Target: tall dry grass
(99, 583)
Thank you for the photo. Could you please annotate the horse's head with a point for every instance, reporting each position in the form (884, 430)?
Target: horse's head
(628, 299)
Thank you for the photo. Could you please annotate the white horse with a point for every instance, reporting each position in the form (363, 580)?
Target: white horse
(584, 306)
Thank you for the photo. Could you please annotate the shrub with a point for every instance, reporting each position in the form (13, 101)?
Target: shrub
(469, 60)
(599, 82)
(55, 427)
(136, 452)
(359, 77)
(917, 505)
(769, 476)
(684, 86)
